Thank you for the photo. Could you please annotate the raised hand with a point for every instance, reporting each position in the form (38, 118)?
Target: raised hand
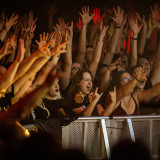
(133, 23)
(86, 18)
(118, 18)
(94, 96)
(9, 46)
(42, 40)
(141, 20)
(9, 23)
(59, 49)
(31, 20)
(97, 18)
(79, 98)
(142, 74)
(103, 30)
(116, 64)
(113, 95)
(21, 50)
(44, 50)
(79, 23)
(155, 11)
(151, 24)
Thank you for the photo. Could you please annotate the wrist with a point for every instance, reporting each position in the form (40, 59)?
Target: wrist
(134, 38)
(100, 40)
(117, 26)
(138, 80)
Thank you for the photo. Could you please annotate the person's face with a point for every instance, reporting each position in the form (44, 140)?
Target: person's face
(86, 83)
(89, 53)
(75, 68)
(144, 63)
(54, 88)
(125, 78)
(140, 85)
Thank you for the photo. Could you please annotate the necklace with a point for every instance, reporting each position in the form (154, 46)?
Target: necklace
(42, 105)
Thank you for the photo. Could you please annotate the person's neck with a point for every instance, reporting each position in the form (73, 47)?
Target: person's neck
(50, 97)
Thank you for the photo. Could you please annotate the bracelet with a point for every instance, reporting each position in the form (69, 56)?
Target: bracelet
(101, 40)
(117, 26)
(69, 44)
(48, 57)
(134, 38)
(138, 80)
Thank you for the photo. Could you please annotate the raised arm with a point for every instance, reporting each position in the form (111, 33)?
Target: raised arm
(28, 61)
(86, 18)
(105, 81)
(128, 88)
(133, 22)
(93, 99)
(155, 78)
(6, 80)
(8, 48)
(22, 108)
(67, 59)
(118, 19)
(110, 108)
(8, 24)
(143, 36)
(98, 50)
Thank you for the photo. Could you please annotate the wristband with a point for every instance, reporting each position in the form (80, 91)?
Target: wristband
(101, 40)
(117, 26)
(138, 80)
(48, 57)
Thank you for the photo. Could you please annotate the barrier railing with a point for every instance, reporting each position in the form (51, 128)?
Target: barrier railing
(96, 136)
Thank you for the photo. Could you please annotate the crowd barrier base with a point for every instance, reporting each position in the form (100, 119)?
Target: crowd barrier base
(96, 136)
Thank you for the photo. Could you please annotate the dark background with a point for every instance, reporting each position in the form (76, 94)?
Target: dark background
(69, 9)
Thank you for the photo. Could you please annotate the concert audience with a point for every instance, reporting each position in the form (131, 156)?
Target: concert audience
(103, 65)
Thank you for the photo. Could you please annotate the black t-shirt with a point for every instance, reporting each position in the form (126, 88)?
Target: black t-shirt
(5, 102)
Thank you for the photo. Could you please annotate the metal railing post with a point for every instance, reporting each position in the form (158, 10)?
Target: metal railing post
(131, 131)
(106, 139)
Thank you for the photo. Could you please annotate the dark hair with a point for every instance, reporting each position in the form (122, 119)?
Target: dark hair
(74, 88)
(116, 76)
(127, 149)
(131, 70)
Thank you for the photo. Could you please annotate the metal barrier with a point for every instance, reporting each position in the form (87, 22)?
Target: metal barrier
(97, 135)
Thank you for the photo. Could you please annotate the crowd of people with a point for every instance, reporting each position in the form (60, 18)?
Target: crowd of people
(111, 68)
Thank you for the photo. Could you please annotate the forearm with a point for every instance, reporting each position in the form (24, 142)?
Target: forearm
(80, 58)
(104, 83)
(126, 90)
(142, 40)
(88, 110)
(96, 57)
(25, 65)
(22, 108)
(22, 91)
(27, 47)
(3, 34)
(11, 57)
(36, 66)
(108, 109)
(149, 32)
(118, 48)
(6, 80)
(112, 47)
(133, 55)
